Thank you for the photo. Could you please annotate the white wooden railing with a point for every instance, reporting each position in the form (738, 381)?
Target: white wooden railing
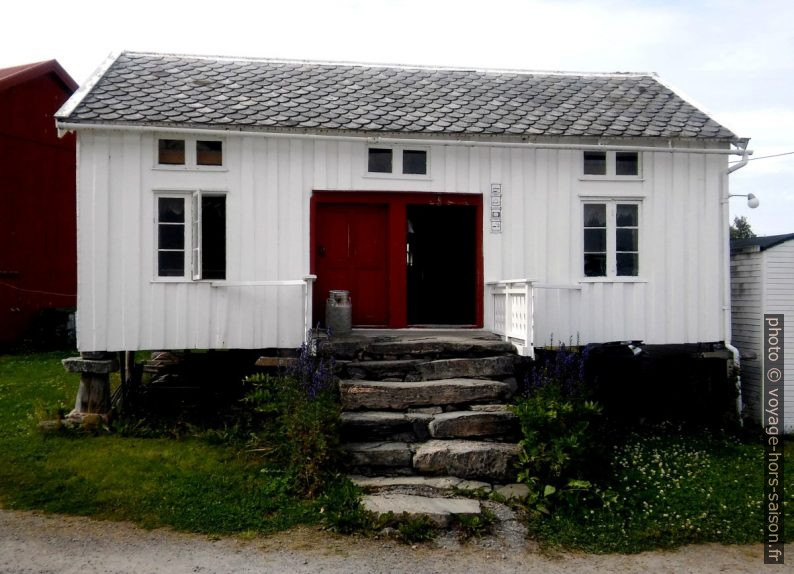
(512, 313)
(307, 284)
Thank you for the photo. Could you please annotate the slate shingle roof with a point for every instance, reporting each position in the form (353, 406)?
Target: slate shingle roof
(187, 91)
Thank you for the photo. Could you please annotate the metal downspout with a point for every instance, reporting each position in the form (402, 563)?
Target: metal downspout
(742, 144)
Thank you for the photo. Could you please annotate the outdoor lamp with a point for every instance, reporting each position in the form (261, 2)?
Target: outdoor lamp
(752, 200)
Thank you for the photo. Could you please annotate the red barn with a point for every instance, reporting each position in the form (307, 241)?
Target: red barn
(38, 268)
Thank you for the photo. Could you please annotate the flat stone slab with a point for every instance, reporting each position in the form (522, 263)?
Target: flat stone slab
(490, 408)
(501, 366)
(465, 424)
(379, 454)
(378, 395)
(440, 510)
(439, 346)
(98, 366)
(373, 425)
(513, 491)
(467, 459)
(376, 483)
(379, 370)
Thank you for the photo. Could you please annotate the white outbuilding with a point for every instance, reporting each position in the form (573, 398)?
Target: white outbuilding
(762, 282)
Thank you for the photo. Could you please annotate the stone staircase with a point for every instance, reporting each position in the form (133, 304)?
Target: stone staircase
(425, 417)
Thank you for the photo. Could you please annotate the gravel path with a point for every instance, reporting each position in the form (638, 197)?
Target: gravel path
(37, 543)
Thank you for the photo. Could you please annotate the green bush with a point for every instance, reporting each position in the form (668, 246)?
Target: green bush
(559, 444)
(295, 420)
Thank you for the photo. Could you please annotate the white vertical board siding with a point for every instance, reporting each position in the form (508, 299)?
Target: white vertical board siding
(779, 298)
(746, 311)
(269, 182)
(762, 282)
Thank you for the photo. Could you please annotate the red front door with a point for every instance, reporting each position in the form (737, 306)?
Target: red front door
(351, 254)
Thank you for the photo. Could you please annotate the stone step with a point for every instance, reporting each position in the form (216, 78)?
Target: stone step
(441, 484)
(415, 427)
(436, 485)
(380, 395)
(467, 459)
(400, 370)
(500, 367)
(386, 455)
(480, 367)
(437, 348)
(375, 425)
(479, 344)
(470, 424)
(441, 511)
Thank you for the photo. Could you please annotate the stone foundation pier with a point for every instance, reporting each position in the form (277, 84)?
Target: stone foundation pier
(93, 395)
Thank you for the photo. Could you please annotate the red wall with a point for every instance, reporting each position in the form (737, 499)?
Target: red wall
(38, 253)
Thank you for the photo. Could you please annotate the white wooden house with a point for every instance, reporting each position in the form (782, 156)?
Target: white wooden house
(762, 281)
(213, 191)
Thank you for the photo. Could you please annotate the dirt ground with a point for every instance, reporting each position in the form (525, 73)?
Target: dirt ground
(38, 543)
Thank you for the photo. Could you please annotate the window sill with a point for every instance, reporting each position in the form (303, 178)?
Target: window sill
(612, 178)
(613, 280)
(181, 280)
(191, 168)
(399, 176)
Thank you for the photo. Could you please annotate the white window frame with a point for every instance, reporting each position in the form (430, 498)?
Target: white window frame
(190, 153)
(192, 199)
(186, 230)
(396, 162)
(611, 167)
(611, 248)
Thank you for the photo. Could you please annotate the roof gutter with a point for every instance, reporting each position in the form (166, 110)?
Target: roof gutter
(64, 127)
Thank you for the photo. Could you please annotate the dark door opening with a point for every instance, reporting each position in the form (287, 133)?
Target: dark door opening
(441, 264)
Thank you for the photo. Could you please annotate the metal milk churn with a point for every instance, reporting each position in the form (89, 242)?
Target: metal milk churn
(339, 312)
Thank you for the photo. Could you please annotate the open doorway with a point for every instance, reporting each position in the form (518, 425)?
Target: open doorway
(441, 269)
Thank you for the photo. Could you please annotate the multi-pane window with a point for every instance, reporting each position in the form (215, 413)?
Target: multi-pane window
(171, 236)
(189, 152)
(611, 163)
(204, 239)
(627, 240)
(595, 240)
(611, 239)
(397, 160)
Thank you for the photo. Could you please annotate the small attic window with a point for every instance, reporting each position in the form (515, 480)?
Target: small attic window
(209, 152)
(627, 163)
(595, 163)
(380, 160)
(415, 161)
(171, 152)
(611, 164)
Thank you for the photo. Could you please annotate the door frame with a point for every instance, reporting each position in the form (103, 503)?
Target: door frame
(396, 201)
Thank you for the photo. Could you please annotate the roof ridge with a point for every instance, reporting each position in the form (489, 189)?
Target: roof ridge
(352, 64)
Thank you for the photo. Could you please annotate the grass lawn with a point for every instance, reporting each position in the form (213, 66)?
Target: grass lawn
(669, 489)
(188, 484)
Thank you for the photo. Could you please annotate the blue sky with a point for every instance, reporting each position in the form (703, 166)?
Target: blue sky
(734, 59)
